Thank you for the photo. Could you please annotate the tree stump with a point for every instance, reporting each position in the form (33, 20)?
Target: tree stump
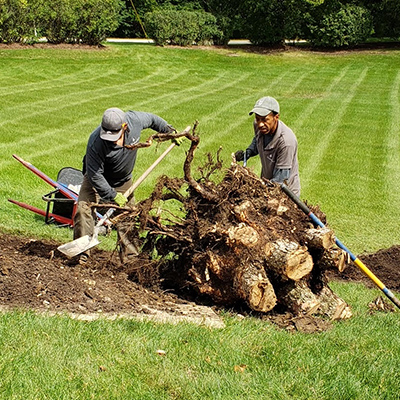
(241, 240)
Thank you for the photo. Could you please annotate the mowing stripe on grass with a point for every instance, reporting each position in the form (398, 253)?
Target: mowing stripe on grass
(70, 99)
(393, 144)
(26, 142)
(309, 169)
(227, 106)
(75, 79)
(72, 82)
(245, 120)
(307, 112)
(189, 90)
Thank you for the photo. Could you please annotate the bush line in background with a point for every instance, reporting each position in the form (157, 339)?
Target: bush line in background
(323, 23)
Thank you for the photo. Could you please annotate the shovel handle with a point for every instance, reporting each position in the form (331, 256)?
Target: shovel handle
(107, 215)
(145, 174)
(355, 259)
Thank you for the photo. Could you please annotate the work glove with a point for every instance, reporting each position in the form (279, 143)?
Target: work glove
(178, 141)
(239, 155)
(120, 199)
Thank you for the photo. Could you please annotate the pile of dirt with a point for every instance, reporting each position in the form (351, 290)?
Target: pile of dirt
(385, 264)
(34, 275)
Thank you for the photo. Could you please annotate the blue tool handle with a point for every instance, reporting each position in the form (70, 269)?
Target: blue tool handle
(355, 259)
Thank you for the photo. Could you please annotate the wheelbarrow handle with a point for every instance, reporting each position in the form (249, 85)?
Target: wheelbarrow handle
(356, 260)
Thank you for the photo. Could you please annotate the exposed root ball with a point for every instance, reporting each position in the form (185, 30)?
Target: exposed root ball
(239, 240)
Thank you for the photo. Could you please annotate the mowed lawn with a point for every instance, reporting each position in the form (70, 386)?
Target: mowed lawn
(343, 107)
(345, 110)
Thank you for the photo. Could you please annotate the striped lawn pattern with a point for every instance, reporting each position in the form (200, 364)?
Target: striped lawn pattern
(344, 109)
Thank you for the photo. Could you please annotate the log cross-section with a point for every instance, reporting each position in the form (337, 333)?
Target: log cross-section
(288, 259)
(320, 238)
(253, 286)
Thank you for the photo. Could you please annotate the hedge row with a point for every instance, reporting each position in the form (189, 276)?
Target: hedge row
(324, 23)
(61, 21)
(182, 28)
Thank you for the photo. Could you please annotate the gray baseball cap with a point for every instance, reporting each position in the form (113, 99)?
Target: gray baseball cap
(264, 106)
(111, 124)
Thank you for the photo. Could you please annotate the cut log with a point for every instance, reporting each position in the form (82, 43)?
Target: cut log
(253, 286)
(320, 238)
(288, 259)
(333, 258)
(244, 234)
(215, 277)
(332, 305)
(299, 299)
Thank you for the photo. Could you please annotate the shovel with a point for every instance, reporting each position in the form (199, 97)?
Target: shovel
(86, 242)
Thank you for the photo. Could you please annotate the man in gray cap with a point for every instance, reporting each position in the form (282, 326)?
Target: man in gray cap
(108, 165)
(275, 143)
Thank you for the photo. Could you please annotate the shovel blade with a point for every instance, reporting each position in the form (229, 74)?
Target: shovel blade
(79, 245)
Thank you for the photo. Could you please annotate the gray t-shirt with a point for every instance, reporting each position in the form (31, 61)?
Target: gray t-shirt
(278, 152)
(108, 165)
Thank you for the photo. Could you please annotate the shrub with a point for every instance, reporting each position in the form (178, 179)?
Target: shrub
(263, 21)
(58, 20)
(131, 18)
(95, 20)
(61, 21)
(15, 22)
(296, 15)
(344, 25)
(229, 20)
(181, 27)
(386, 17)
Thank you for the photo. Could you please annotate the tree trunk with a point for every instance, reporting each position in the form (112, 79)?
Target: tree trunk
(298, 298)
(320, 238)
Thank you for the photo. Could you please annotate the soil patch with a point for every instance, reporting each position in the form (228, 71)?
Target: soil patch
(34, 275)
(385, 264)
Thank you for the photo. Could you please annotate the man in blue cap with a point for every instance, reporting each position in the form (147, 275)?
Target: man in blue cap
(275, 143)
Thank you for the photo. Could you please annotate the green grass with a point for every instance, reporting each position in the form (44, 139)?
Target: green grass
(345, 111)
(56, 357)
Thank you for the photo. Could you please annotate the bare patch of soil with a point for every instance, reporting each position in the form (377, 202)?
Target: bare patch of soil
(385, 264)
(34, 275)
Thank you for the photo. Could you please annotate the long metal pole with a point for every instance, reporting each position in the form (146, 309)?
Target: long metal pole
(356, 260)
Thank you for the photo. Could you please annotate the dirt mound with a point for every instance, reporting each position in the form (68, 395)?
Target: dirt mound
(385, 264)
(34, 275)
